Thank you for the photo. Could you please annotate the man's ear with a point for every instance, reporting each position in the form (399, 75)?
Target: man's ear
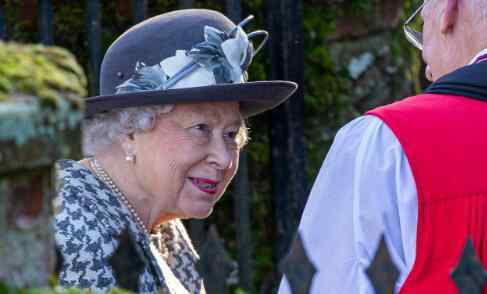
(449, 17)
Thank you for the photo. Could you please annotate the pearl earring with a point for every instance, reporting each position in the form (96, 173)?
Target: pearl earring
(130, 158)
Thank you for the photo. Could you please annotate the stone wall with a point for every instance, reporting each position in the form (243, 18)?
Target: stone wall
(40, 113)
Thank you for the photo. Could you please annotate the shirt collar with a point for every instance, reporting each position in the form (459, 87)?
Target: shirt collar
(481, 56)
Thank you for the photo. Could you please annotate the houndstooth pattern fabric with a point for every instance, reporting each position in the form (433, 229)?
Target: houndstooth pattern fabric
(179, 254)
(89, 219)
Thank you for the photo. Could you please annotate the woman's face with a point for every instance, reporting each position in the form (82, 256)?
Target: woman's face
(186, 162)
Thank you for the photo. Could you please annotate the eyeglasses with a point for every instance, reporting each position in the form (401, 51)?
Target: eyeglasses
(415, 37)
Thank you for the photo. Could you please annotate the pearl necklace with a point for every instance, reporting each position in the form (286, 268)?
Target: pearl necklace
(103, 175)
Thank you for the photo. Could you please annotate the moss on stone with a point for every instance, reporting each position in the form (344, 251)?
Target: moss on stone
(41, 90)
(50, 73)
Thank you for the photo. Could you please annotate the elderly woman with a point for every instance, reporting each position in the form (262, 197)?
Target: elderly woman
(164, 139)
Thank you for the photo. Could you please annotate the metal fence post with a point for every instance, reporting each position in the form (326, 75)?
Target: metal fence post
(382, 272)
(186, 3)
(293, 60)
(241, 201)
(242, 194)
(234, 10)
(39, 123)
(93, 24)
(298, 268)
(469, 275)
(287, 145)
(215, 264)
(139, 10)
(3, 23)
(279, 119)
(44, 15)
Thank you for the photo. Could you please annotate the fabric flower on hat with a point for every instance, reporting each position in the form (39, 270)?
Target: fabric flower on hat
(199, 76)
(145, 78)
(228, 57)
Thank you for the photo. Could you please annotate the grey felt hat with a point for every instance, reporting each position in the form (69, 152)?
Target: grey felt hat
(193, 55)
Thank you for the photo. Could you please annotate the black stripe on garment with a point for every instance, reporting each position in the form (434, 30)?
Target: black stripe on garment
(469, 81)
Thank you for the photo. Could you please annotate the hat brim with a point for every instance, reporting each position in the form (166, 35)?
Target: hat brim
(254, 97)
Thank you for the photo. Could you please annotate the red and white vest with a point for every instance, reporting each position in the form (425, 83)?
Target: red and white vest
(445, 140)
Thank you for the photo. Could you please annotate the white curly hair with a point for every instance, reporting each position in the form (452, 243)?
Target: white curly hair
(103, 130)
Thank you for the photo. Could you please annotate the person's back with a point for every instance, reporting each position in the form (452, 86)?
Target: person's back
(440, 135)
(411, 171)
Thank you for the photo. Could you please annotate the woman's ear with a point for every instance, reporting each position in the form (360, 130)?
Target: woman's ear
(449, 17)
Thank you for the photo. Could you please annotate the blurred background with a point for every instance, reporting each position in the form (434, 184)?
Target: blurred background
(348, 56)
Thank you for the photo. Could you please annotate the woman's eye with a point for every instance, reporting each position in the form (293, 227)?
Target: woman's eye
(232, 135)
(232, 138)
(202, 127)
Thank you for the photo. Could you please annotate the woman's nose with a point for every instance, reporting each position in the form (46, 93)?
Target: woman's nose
(220, 155)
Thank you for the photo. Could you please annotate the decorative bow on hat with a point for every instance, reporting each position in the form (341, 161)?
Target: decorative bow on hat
(226, 55)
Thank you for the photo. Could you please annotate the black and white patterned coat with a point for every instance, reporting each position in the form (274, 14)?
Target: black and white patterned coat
(90, 224)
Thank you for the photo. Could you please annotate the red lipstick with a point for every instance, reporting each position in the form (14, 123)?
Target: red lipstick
(205, 185)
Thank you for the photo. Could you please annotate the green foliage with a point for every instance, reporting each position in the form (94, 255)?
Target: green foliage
(239, 291)
(325, 88)
(4, 289)
(358, 7)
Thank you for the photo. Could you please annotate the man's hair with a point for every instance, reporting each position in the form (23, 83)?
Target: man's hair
(477, 8)
(479, 11)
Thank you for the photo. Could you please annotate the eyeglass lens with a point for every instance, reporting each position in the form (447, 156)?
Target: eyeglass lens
(413, 28)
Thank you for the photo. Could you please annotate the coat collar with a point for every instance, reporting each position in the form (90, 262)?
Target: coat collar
(469, 81)
(481, 56)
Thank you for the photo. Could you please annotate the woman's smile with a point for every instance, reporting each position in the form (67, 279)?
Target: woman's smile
(205, 185)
